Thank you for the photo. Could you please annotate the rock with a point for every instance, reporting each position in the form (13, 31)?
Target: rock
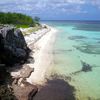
(30, 60)
(26, 72)
(13, 48)
(25, 92)
(21, 72)
(20, 52)
(6, 93)
(19, 81)
(2, 74)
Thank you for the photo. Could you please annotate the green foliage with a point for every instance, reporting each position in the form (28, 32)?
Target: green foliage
(17, 19)
(22, 26)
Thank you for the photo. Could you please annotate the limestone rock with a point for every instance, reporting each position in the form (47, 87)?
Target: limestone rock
(25, 92)
(13, 48)
(21, 72)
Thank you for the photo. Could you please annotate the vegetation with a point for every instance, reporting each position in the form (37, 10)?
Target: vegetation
(18, 19)
(30, 30)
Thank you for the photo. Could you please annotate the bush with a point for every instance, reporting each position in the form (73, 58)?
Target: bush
(17, 19)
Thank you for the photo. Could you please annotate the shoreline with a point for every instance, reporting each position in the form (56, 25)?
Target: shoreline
(42, 56)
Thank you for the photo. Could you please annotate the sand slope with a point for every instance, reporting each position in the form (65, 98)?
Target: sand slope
(42, 56)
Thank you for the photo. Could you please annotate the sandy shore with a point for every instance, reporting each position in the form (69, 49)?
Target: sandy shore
(43, 57)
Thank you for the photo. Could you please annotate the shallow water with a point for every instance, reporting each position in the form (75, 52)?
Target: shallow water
(78, 42)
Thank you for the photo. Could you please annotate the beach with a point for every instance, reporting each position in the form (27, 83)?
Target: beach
(43, 56)
(63, 63)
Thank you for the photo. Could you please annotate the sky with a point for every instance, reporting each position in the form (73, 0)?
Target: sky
(54, 9)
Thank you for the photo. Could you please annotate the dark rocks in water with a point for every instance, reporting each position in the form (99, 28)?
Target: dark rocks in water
(77, 37)
(86, 67)
(13, 48)
(89, 48)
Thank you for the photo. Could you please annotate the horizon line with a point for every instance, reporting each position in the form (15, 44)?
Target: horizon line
(68, 20)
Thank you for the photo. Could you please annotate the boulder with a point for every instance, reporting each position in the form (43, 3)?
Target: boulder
(25, 92)
(13, 48)
(23, 71)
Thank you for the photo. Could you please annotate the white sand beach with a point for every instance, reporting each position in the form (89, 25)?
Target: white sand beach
(42, 56)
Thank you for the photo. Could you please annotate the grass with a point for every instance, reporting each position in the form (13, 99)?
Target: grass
(22, 26)
(29, 30)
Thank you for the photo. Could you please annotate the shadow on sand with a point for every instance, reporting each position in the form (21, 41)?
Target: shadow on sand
(56, 89)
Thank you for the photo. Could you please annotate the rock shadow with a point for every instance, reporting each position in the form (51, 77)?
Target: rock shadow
(56, 89)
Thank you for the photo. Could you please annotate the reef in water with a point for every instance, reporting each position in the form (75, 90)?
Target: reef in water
(77, 37)
(89, 48)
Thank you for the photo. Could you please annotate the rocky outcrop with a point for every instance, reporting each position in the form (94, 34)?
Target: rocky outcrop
(15, 54)
(21, 71)
(13, 48)
(25, 92)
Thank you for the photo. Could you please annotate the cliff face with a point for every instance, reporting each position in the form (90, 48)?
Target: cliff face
(13, 48)
(14, 51)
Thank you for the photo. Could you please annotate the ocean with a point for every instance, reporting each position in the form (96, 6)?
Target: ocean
(76, 55)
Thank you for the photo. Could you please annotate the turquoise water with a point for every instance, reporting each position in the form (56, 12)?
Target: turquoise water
(78, 43)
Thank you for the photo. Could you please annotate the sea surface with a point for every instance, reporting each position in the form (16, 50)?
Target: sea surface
(77, 56)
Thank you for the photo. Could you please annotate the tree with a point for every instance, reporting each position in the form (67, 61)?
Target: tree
(18, 19)
(37, 19)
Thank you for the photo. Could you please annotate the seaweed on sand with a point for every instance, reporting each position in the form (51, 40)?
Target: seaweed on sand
(85, 68)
